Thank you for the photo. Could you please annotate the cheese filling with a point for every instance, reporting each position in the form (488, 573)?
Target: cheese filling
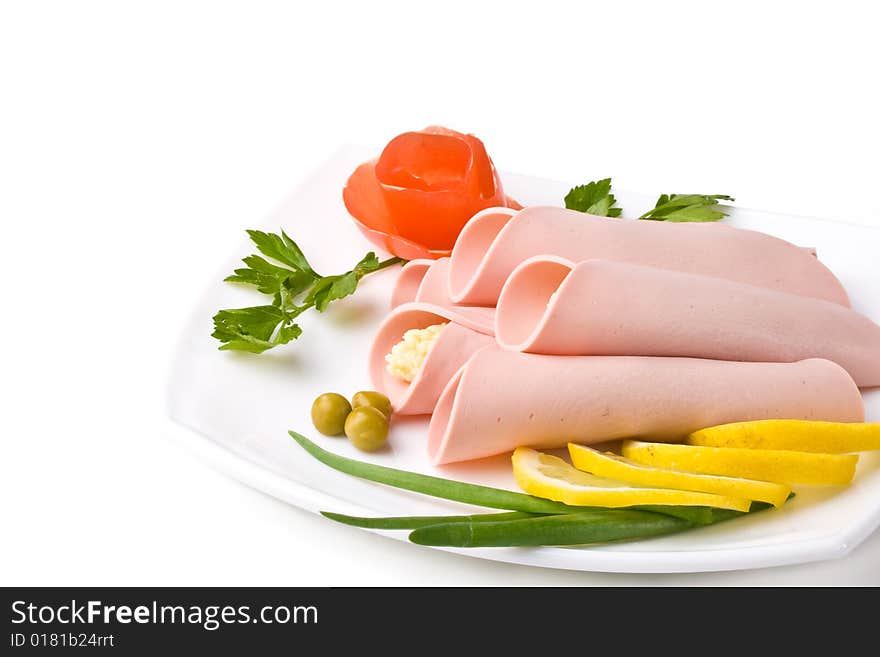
(407, 356)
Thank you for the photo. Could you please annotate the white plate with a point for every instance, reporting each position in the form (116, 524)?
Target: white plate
(235, 409)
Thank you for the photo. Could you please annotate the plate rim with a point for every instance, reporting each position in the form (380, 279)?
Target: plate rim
(830, 546)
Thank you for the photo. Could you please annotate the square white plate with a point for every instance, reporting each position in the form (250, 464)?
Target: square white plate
(235, 409)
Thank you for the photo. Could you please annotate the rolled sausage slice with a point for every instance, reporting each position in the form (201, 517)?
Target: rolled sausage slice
(423, 280)
(406, 288)
(600, 307)
(500, 400)
(492, 244)
(466, 331)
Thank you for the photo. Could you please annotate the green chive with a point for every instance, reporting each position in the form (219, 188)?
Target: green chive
(448, 489)
(458, 491)
(696, 515)
(569, 529)
(493, 498)
(415, 522)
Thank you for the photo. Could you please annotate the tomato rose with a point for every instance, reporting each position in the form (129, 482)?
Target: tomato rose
(414, 200)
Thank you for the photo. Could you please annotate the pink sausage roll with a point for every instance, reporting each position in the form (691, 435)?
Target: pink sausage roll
(504, 399)
(605, 308)
(465, 331)
(493, 243)
(423, 280)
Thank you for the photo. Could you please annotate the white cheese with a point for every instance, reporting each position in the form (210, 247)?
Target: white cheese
(407, 356)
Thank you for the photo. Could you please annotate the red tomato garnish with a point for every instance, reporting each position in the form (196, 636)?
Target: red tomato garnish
(417, 196)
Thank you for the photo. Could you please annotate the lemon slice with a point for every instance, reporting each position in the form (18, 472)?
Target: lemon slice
(620, 468)
(781, 466)
(796, 435)
(552, 478)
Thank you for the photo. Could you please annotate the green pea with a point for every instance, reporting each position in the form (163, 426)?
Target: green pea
(374, 399)
(329, 412)
(366, 428)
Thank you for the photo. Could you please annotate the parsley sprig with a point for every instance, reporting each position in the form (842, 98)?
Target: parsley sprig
(688, 207)
(596, 198)
(294, 288)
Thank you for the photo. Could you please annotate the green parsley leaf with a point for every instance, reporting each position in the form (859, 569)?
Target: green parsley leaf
(332, 288)
(593, 198)
(688, 207)
(254, 329)
(294, 289)
(369, 263)
(269, 278)
(283, 249)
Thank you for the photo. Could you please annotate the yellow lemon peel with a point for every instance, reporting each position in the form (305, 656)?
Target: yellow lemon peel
(780, 466)
(620, 468)
(548, 476)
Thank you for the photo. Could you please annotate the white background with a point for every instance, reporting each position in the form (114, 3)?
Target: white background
(138, 140)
